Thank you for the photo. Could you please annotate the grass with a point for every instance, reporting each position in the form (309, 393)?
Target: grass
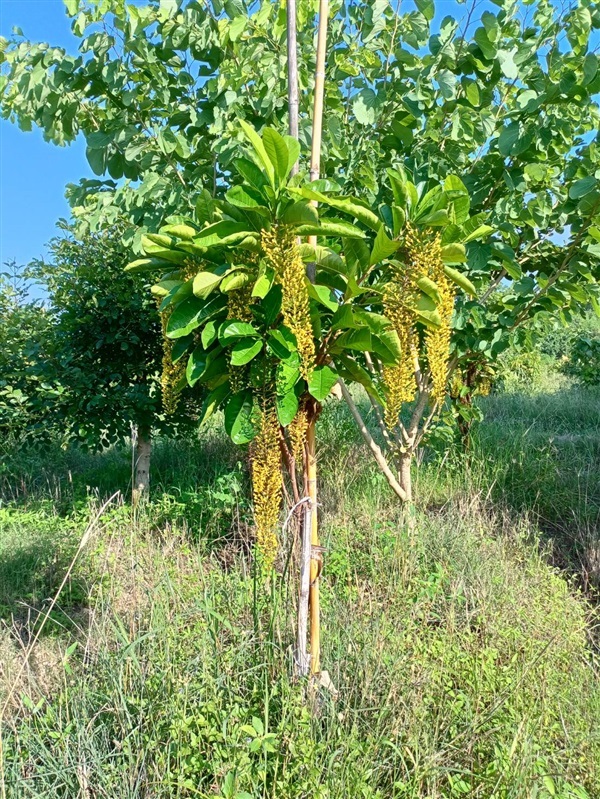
(463, 658)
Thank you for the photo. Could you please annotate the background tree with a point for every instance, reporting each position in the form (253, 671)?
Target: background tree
(28, 385)
(107, 348)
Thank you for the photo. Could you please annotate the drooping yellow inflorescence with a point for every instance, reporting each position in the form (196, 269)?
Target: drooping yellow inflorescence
(297, 429)
(281, 251)
(171, 372)
(266, 483)
(438, 339)
(399, 298)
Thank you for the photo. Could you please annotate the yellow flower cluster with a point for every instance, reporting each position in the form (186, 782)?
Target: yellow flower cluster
(438, 340)
(266, 484)
(281, 252)
(171, 372)
(297, 429)
(399, 298)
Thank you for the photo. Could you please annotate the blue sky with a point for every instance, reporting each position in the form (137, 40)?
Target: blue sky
(33, 173)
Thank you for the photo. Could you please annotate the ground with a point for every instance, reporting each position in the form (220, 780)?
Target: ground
(463, 651)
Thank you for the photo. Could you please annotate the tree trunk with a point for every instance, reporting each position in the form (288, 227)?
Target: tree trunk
(404, 475)
(141, 472)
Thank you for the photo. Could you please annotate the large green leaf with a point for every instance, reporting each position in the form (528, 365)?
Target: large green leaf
(322, 380)
(461, 280)
(259, 150)
(383, 247)
(191, 312)
(331, 227)
(205, 283)
(221, 233)
(148, 265)
(240, 418)
(287, 407)
(245, 350)
(350, 205)
(231, 331)
(279, 155)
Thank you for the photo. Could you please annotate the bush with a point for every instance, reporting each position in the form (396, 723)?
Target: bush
(584, 360)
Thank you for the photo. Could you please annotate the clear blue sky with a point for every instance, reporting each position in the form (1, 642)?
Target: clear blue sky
(33, 173)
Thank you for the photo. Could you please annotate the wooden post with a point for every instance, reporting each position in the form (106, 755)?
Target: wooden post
(292, 65)
(311, 269)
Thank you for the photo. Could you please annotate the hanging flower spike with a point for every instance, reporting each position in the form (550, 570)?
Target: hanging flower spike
(281, 252)
(171, 372)
(399, 297)
(297, 429)
(438, 340)
(267, 484)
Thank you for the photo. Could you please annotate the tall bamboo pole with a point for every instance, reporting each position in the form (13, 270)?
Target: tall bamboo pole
(311, 453)
(292, 66)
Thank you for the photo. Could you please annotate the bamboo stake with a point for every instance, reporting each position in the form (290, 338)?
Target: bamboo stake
(311, 269)
(292, 65)
(315, 563)
(317, 126)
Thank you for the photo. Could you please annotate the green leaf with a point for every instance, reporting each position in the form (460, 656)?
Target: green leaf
(323, 295)
(386, 344)
(428, 287)
(196, 365)
(245, 350)
(357, 255)
(293, 146)
(427, 8)
(300, 213)
(358, 339)
(287, 407)
(263, 284)
(185, 232)
(164, 287)
(480, 232)
(350, 205)
(235, 279)
(364, 106)
(322, 380)
(221, 233)
(278, 153)
(461, 280)
(454, 253)
(383, 247)
(239, 418)
(331, 227)
(582, 187)
(231, 331)
(241, 198)
(260, 151)
(282, 343)
(190, 313)
(205, 283)
(508, 138)
(148, 265)
(213, 401)
(205, 208)
(209, 334)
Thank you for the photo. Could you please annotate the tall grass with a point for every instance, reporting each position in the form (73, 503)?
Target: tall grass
(461, 657)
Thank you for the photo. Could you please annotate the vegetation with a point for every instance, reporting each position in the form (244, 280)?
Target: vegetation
(435, 262)
(461, 658)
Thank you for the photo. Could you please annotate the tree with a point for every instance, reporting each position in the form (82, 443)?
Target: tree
(508, 108)
(28, 387)
(107, 348)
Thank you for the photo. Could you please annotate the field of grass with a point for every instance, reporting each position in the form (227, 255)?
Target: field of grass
(463, 653)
